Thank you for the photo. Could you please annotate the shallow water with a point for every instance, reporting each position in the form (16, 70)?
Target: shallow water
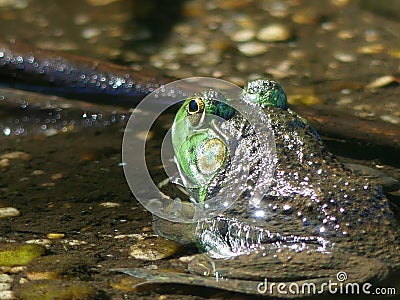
(335, 50)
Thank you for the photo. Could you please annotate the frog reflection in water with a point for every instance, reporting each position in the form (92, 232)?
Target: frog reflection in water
(316, 219)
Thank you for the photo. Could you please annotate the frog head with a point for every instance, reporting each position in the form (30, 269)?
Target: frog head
(200, 147)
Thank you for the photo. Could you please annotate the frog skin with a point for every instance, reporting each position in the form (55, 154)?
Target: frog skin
(317, 218)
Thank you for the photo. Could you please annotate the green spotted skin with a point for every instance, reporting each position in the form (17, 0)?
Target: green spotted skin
(266, 93)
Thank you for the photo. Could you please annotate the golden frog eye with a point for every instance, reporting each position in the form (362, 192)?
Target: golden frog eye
(195, 106)
(195, 111)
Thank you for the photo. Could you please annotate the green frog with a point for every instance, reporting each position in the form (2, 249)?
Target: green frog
(309, 219)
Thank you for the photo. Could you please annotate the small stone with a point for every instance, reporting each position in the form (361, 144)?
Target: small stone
(38, 172)
(45, 242)
(17, 269)
(57, 176)
(6, 278)
(4, 164)
(89, 33)
(55, 236)
(244, 35)
(153, 248)
(253, 48)
(7, 295)
(147, 229)
(8, 212)
(346, 34)
(74, 242)
(195, 48)
(391, 119)
(110, 204)
(274, 33)
(16, 155)
(371, 49)
(4, 286)
(345, 57)
(382, 81)
(186, 259)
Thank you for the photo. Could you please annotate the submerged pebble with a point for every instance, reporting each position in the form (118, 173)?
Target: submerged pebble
(252, 48)
(16, 155)
(4, 164)
(274, 33)
(8, 212)
(153, 248)
(244, 35)
(381, 82)
(7, 295)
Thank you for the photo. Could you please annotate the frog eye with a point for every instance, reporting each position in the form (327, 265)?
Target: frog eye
(195, 106)
(195, 110)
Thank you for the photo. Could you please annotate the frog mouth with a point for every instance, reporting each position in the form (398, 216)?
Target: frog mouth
(226, 237)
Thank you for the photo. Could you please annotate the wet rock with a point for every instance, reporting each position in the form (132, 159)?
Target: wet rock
(382, 82)
(391, 119)
(45, 242)
(194, 48)
(4, 163)
(244, 35)
(371, 49)
(55, 236)
(38, 172)
(63, 266)
(90, 33)
(252, 48)
(274, 33)
(13, 254)
(6, 278)
(110, 204)
(56, 289)
(345, 57)
(7, 295)
(4, 286)
(153, 248)
(16, 155)
(8, 212)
